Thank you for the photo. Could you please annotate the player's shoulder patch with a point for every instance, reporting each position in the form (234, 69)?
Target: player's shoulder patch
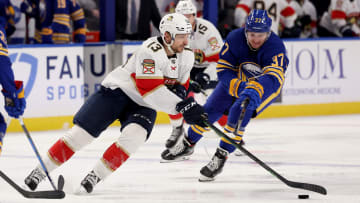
(148, 66)
(214, 43)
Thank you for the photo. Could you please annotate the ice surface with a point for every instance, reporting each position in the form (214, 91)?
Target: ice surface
(319, 150)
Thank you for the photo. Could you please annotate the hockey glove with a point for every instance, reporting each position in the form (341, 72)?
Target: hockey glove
(346, 31)
(179, 90)
(195, 86)
(192, 112)
(15, 101)
(203, 79)
(236, 108)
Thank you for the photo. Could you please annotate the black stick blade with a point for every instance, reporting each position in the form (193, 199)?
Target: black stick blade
(51, 194)
(307, 186)
(61, 183)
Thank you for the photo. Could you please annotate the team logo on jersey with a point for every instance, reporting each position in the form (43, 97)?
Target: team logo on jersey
(252, 68)
(148, 66)
(214, 44)
(170, 18)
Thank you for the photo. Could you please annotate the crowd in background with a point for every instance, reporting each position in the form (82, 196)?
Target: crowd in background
(78, 20)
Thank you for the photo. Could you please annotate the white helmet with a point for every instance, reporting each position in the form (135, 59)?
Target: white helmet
(185, 7)
(175, 23)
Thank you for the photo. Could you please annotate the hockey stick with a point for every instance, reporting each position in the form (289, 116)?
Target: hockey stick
(51, 194)
(61, 178)
(305, 186)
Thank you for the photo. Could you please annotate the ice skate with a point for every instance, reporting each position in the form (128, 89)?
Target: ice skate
(214, 167)
(89, 182)
(35, 177)
(181, 151)
(238, 152)
(176, 133)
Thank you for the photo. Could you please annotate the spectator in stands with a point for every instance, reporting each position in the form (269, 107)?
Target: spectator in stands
(31, 8)
(276, 9)
(226, 16)
(133, 19)
(337, 21)
(54, 19)
(307, 17)
(321, 7)
(92, 13)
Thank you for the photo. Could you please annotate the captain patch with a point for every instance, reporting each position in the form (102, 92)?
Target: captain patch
(148, 66)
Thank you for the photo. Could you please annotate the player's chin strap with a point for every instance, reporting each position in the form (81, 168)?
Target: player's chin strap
(168, 45)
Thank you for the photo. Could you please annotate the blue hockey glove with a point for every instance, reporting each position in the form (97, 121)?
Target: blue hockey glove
(15, 101)
(251, 91)
(179, 90)
(192, 112)
(236, 87)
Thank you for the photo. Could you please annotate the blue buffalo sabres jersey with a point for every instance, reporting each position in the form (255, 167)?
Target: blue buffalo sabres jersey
(6, 73)
(57, 19)
(264, 68)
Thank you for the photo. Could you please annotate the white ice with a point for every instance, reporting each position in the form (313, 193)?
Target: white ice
(320, 150)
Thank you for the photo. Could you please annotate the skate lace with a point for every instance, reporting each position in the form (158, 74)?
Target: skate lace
(92, 178)
(37, 175)
(177, 149)
(214, 163)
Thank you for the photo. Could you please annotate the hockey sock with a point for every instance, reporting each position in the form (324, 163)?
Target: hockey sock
(60, 152)
(114, 157)
(222, 121)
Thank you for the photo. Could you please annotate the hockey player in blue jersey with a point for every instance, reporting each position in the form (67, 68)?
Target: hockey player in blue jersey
(12, 90)
(252, 65)
(54, 20)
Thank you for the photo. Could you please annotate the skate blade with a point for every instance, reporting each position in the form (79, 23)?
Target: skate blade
(175, 160)
(203, 178)
(238, 153)
(80, 191)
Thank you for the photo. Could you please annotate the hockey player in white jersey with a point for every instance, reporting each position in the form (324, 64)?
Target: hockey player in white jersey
(337, 21)
(153, 79)
(206, 42)
(307, 17)
(277, 9)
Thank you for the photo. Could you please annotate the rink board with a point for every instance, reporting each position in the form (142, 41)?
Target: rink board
(321, 79)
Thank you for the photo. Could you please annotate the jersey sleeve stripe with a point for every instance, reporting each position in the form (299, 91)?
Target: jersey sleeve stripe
(288, 11)
(146, 85)
(256, 86)
(225, 63)
(336, 14)
(234, 87)
(244, 7)
(269, 99)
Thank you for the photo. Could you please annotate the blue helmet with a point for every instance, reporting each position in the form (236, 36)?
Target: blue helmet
(258, 21)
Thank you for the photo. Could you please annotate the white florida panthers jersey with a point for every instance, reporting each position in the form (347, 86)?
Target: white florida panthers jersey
(277, 9)
(147, 72)
(207, 39)
(337, 15)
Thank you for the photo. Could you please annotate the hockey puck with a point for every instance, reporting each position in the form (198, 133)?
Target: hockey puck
(303, 196)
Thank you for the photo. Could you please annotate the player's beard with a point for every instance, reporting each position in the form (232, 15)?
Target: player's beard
(178, 49)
